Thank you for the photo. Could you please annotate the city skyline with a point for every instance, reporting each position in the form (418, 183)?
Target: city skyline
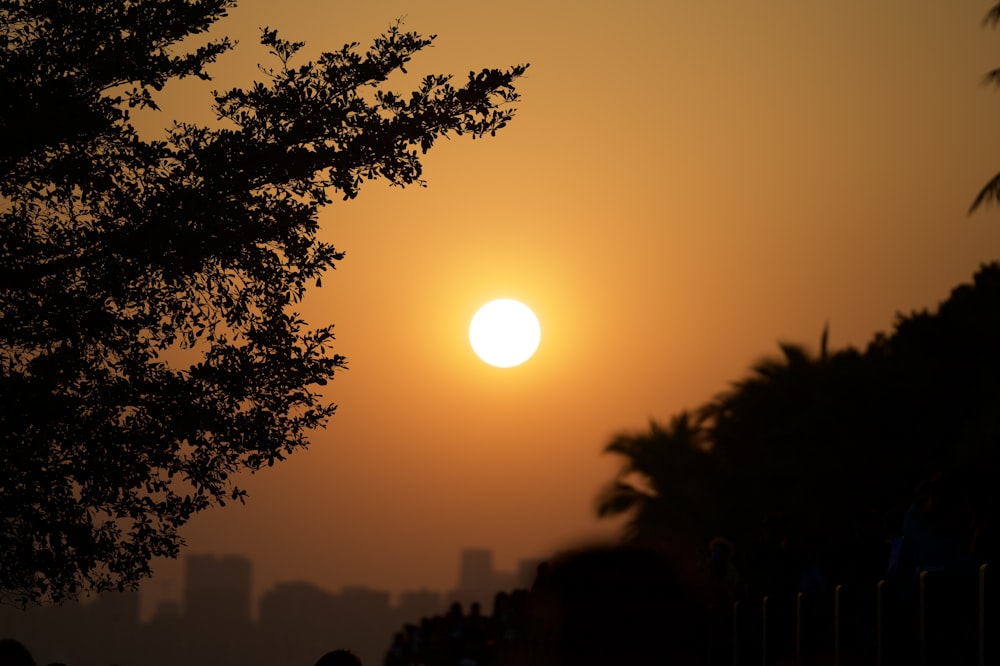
(218, 616)
(475, 571)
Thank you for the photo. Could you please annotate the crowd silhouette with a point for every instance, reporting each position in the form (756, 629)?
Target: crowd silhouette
(14, 653)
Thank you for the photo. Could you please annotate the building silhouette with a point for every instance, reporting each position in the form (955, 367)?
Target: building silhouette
(214, 623)
(216, 603)
(297, 622)
(217, 587)
(478, 581)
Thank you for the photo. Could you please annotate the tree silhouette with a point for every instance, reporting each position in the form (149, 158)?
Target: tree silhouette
(794, 440)
(941, 371)
(773, 443)
(818, 441)
(151, 347)
(667, 482)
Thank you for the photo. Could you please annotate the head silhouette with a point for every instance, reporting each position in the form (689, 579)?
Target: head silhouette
(339, 658)
(616, 605)
(13, 653)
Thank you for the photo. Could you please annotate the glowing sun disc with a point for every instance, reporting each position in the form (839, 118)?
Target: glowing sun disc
(504, 333)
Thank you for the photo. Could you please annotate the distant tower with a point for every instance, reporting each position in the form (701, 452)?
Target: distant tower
(527, 571)
(217, 588)
(476, 572)
(476, 579)
(216, 610)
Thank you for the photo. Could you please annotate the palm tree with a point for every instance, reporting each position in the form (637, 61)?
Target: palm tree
(762, 411)
(811, 438)
(665, 483)
(721, 469)
(822, 439)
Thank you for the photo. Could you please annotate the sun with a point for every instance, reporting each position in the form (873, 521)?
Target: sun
(505, 333)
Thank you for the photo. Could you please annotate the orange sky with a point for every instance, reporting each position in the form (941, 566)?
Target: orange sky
(685, 184)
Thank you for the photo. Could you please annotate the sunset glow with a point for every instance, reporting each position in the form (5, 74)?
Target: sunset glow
(683, 186)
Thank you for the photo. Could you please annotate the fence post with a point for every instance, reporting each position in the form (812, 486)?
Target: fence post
(836, 625)
(878, 622)
(736, 633)
(763, 631)
(923, 618)
(798, 629)
(982, 615)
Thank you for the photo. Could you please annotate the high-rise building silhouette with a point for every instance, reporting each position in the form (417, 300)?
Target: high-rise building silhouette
(217, 588)
(212, 623)
(478, 581)
(527, 571)
(299, 621)
(216, 602)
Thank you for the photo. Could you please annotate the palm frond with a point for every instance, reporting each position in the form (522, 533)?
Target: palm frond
(618, 498)
(990, 192)
(623, 444)
(993, 16)
(992, 77)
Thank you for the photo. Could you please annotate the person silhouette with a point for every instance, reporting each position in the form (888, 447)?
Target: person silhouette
(339, 658)
(614, 605)
(13, 653)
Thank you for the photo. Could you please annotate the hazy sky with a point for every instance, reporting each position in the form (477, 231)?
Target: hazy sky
(685, 184)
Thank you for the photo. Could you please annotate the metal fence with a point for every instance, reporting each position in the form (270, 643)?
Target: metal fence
(939, 619)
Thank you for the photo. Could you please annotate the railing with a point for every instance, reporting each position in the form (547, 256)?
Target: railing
(939, 620)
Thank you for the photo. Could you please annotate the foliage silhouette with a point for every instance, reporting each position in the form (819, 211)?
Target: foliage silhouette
(666, 478)
(150, 346)
(991, 190)
(820, 440)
